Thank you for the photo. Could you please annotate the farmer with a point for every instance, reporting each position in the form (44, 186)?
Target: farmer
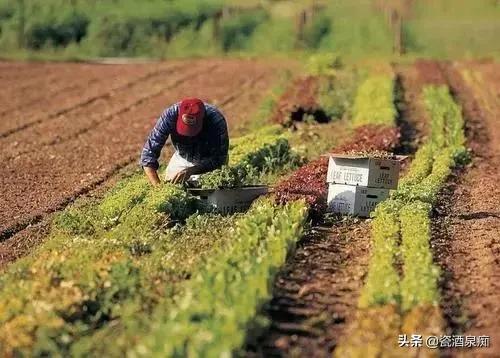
(199, 135)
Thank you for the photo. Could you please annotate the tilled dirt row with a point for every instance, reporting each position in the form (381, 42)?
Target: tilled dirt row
(466, 227)
(81, 95)
(316, 293)
(67, 126)
(49, 176)
(21, 71)
(19, 93)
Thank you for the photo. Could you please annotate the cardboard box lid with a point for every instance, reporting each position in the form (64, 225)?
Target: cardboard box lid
(360, 156)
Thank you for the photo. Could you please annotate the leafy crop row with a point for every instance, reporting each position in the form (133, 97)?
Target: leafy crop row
(251, 157)
(420, 278)
(220, 302)
(109, 212)
(382, 283)
(405, 217)
(419, 284)
(118, 287)
(374, 102)
(75, 282)
(428, 172)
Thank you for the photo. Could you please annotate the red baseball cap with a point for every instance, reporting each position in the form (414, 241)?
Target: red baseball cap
(195, 108)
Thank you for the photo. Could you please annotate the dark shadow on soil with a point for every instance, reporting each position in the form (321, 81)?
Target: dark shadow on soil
(478, 215)
(318, 115)
(407, 145)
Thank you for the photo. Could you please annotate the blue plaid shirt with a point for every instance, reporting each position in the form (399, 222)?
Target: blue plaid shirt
(209, 149)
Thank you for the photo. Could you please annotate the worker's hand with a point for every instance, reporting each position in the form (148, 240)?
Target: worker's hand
(184, 175)
(152, 175)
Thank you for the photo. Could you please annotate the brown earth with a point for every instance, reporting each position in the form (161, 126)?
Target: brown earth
(63, 99)
(54, 152)
(22, 92)
(413, 121)
(316, 292)
(466, 229)
(299, 99)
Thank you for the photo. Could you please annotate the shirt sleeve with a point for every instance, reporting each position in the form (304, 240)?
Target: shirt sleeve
(220, 147)
(157, 138)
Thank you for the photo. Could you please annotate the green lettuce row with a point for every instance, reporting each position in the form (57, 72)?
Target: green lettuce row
(374, 102)
(445, 149)
(160, 275)
(418, 190)
(420, 186)
(420, 168)
(252, 157)
(428, 189)
(88, 218)
(420, 276)
(123, 197)
(73, 284)
(241, 147)
(382, 283)
(446, 118)
(220, 303)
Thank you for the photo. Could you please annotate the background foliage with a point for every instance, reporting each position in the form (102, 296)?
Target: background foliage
(173, 28)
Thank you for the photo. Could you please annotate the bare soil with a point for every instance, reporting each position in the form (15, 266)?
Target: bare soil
(299, 99)
(70, 143)
(467, 223)
(316, 293)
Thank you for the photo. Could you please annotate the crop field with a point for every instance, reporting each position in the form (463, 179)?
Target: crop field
(72, 136)
(90, 253)
(97, 262)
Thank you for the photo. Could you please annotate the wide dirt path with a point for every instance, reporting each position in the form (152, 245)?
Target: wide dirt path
(63, 146)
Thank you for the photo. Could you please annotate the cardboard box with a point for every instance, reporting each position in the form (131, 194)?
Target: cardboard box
(364, 171)
(354, 199)
(230, 201)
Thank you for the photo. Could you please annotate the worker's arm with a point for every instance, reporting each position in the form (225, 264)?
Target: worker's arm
(155, 142)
